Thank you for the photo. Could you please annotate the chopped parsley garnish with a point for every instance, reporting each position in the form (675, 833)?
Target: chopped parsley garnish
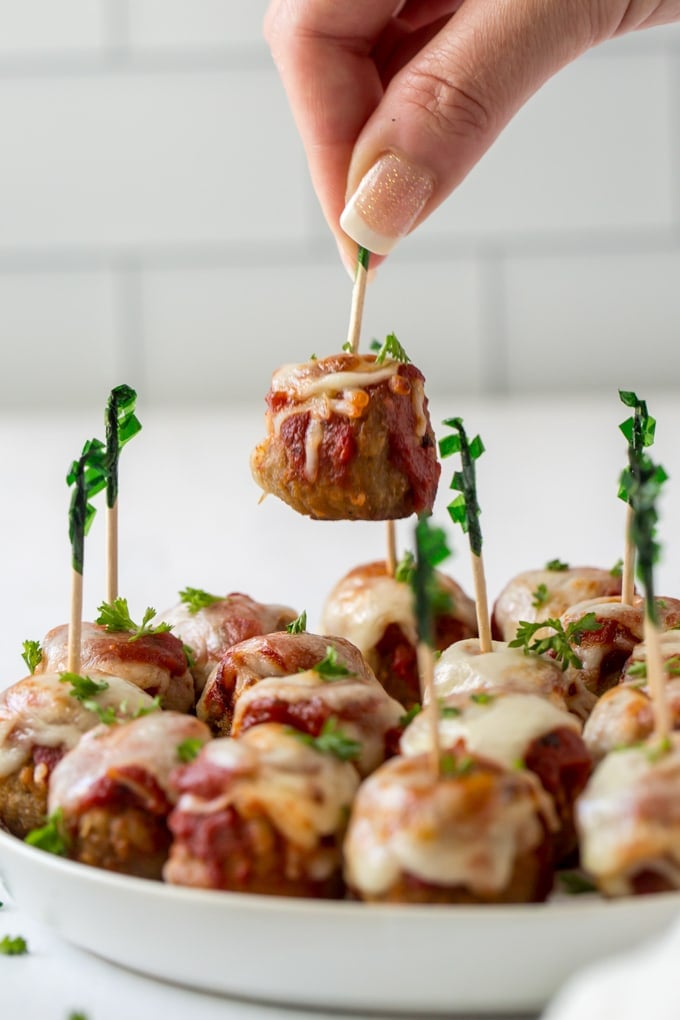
(298, 625)
(540, 596)
(405, 567)
(449, 712)
(637, 669)
(189, 655)
(77, 1016)
(331, 740)
(155, 706)
(482, 698)
(617, 569)
(558, 644)
(17, 946)
(409, 716)
(195, 599)
(574, 883)
(32, 655)
(115, 617)
(83, 687)
(330, 668)
(557, 565)
(189, 749)
(50, 836)
(347, 348)
(390, 348)
(452, 766)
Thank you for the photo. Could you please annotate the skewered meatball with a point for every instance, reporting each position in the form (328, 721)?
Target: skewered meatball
(604, 651)
(262, 814)
(212, 629)
(156, 663)
(544, 594)
(477, 833)
(375, 611)
(348, 438)
(516, 731)
(270, 655)
(113, 792)
(40, 720)
(628, 819)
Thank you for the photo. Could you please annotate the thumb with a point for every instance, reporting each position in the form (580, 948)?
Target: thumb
(445, 107)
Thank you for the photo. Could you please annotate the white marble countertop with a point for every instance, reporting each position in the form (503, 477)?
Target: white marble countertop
(189, 515)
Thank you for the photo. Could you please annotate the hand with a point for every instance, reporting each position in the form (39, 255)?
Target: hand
(395, 103)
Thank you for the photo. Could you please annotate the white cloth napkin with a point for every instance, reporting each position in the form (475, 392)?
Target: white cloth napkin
(640, 985)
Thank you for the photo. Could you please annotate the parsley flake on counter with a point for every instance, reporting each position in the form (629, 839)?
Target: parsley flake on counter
(298, 625)
(560, 644)
(50, 836)
(196, 598)
(32, 655)
(16, 946)
(189, 749)
(557, 565)
(331, 740)
(330, 668)
(115, 617)
(77, 1016)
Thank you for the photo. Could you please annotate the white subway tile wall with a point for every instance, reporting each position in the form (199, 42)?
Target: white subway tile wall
(157, 223)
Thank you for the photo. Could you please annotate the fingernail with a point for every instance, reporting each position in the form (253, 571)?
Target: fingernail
(387, 202)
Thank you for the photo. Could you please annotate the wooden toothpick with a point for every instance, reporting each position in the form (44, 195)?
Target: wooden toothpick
(628, 573)
(391, 557)
(425, 659)
(481, 603)
(358, 295)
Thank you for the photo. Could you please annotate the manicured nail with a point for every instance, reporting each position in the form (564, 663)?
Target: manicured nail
(386, 204)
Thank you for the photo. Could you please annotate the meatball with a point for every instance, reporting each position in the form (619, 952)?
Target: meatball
(475, 833)
(628, 819)
(212, 629)
(464, 668)
(544, 594)
(113, 794)
(269, 655)
(41, 718)
(517, 731)
(156, 663)
(375, 611)
(263, 814)
(349, 438)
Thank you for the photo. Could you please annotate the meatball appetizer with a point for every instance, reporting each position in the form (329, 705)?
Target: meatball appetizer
(516, 731)
(475, 833)
(41, 718)
(156, 663)
(536, 595)
(280, 654)
(349, 438)
(111, 794)
(210, 624)
(629, 820)
(374, 610)
(264, 814)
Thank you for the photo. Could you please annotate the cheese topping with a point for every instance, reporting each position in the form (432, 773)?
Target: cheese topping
(363, 709)
(361, 608)
(302, 383)
(40, 711)
(148, 743)
(462, 668)
(305, 793)
(454, 831)
(501, 729)
(628, 819)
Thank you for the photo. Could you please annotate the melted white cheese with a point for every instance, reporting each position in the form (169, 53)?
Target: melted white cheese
(627, 816)
(149, 743)
(501, 729)
(462, 668)
(362, 608)
(305, 793)
(402, 822)
(40, 711)
(299, 382)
